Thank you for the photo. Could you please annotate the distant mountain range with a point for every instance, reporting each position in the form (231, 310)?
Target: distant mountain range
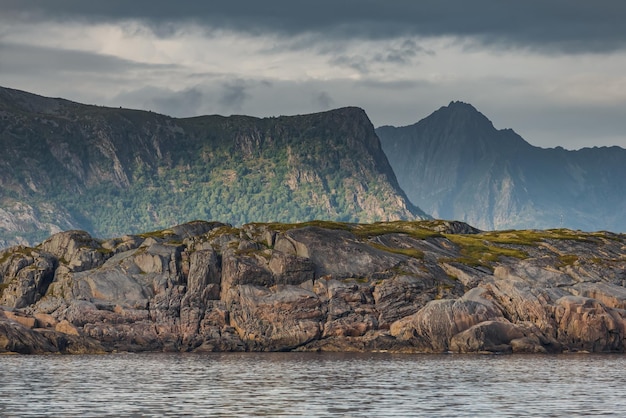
(110, 171)
(455, 165)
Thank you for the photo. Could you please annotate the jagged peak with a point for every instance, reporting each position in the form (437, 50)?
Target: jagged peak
(457, 104)
(464, 113)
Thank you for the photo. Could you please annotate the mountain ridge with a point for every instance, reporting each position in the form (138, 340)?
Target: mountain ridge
(108, 170)
(456, 165)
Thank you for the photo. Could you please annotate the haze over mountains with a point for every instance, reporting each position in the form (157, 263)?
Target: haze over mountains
(114, 171)
(455, 165)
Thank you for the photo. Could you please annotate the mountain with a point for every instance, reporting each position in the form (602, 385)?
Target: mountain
(110, 171)
(455, 165)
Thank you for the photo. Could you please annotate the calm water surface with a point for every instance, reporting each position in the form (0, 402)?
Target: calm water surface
(312, 384)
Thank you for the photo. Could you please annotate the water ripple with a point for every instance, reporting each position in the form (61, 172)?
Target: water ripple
(312, 385)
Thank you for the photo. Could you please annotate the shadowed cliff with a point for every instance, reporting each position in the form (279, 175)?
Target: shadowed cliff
(112, 171)
(455, 165)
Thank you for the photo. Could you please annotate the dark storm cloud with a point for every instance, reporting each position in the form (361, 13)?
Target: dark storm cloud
(556, 25)
(37, 60)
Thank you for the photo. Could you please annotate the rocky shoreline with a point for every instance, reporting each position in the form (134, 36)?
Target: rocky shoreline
(412, 287)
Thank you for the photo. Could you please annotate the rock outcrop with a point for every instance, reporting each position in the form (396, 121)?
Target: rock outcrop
(429, 286)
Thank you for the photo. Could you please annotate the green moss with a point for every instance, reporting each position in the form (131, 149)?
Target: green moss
(22, 251)
(365, 231)
(523, 237)
(533, 237)
(476, 251)
(4, 257)
(161, 234)
(2, 287)
(410, 252)
(568, 260)
(413, 229)
(282, 227)
(361, 280)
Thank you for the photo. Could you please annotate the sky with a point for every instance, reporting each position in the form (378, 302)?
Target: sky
(552, 70)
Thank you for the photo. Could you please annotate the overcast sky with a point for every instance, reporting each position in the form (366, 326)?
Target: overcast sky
(554, 71)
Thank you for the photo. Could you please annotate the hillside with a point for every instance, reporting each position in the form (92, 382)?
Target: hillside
(455, 165)
(111, 171)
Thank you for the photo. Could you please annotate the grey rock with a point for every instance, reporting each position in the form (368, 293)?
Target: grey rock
(318, 289)
(337, 253)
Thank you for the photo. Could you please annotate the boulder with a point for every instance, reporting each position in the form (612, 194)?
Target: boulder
(276, 319)
(76, 249)
(16, 338)
(587, 324)
(490, 336)
(433, 326)
(66, 328)
(25, 278)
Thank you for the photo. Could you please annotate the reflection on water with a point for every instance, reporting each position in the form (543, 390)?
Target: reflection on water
(312, 384)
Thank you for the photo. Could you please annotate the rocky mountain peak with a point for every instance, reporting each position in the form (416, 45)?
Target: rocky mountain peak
(455, 164)
(462, 119)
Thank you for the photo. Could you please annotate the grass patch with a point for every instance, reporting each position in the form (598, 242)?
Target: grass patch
(161, 234)
(11, 252)
(567, 260)
(223, 230)
(3, 286)
(476, 251)
(409, 252)
(364, 231)
(361, 280)
(533, 237)
(282, 227)
(413, 229)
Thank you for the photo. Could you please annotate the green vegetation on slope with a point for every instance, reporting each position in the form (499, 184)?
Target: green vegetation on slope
(117, 171)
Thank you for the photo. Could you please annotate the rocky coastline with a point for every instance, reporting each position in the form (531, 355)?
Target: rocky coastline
(410, 287)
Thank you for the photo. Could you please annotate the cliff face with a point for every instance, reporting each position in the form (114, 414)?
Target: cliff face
(455, 165)
(109, 171)
(429, 286)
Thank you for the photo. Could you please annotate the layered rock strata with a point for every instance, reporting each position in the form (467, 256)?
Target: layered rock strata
(429, 286)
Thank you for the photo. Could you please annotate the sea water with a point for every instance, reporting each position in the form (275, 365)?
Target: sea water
(312, 385)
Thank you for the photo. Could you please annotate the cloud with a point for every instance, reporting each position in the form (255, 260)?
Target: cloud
(376, 56)
(526, 65)
(183, 103)
(233, 95)
(569, 26)
(215, 96)
(355, 62)
(38, 60)
(323, 100)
